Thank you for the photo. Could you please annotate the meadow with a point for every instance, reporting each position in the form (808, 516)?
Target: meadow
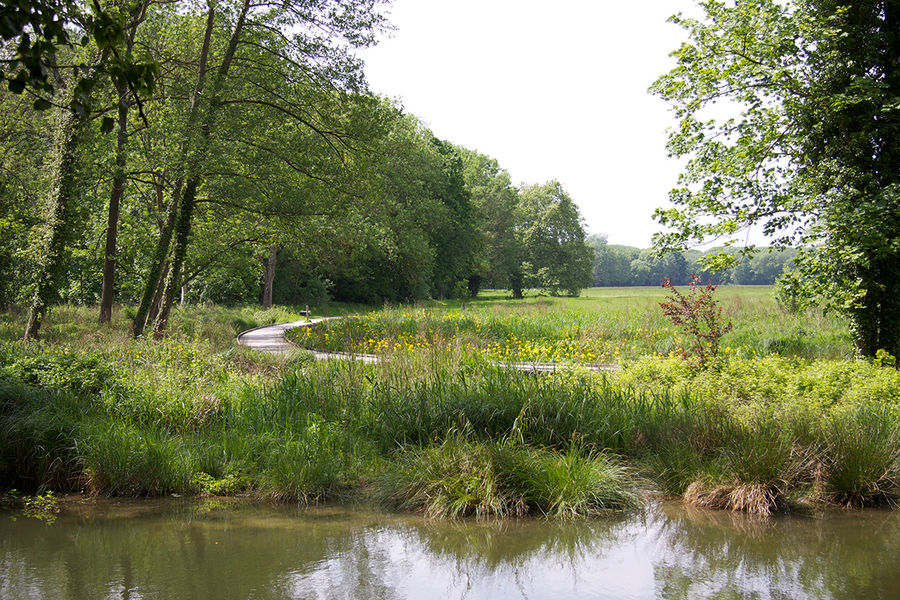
(604, 325)
(785, 418)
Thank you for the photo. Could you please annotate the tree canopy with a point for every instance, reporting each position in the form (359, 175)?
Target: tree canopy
(808, 153)
(249, 162)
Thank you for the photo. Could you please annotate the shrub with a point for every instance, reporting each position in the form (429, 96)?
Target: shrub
(699, 316)
(84, 374)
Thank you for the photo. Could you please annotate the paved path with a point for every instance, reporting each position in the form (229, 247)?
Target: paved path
(270, 338)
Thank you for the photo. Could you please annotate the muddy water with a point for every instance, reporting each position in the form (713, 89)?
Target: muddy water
(224, 550)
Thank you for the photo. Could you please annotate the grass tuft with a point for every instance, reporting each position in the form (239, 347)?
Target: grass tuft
(460, 477)
(862, 462)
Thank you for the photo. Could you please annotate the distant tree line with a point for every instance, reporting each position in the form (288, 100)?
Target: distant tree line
(616, 265)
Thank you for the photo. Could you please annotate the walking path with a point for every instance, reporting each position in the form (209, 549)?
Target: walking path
(270, 338)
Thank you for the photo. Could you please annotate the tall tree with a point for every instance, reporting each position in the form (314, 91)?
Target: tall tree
(495, 202)
(135, 13)
(553, 238)
(268, 46)
(42, 31)
(810, 155)
(454, 237)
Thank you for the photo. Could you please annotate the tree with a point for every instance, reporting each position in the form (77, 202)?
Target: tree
(136, 12)
(42, 31)
(553, 239)
(454, 237)
(495, 202)
(810, 156)
(269, 50)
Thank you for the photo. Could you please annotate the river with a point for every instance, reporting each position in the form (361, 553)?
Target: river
(197, 549)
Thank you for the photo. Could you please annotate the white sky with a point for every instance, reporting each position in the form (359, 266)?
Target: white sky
(552, 90)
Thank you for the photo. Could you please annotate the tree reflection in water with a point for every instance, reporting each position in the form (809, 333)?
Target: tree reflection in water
(190, 549)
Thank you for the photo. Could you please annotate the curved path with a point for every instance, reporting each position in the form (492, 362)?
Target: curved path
(270, 338)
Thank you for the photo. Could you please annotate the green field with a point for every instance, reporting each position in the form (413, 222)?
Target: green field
(604, 325)
(785, 417)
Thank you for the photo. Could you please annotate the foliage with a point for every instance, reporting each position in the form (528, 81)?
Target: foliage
(556, 258)
(38, 29)
(495, 202)
(616, 265)
(699, 317)
(257, 140)
(812, 86)
(43, 507)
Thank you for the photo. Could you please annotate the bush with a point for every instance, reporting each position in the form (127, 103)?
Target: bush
(699, 317)
(82, 373)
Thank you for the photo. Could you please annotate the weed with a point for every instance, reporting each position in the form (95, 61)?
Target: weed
(699, 317)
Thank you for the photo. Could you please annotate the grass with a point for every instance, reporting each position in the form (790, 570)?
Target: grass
(607, 325)
(441, 430)
(462, 477)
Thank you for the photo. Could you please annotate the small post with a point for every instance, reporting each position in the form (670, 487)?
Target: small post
(306, 312)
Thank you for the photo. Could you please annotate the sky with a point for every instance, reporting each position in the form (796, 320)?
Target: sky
(552, 90)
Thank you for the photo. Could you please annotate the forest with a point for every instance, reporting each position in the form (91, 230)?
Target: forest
(616, 265)
(257, 157)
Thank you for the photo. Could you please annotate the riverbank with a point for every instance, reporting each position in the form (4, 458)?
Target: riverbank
(439, 430)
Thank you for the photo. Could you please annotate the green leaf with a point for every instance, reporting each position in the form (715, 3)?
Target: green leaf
(107, 125)
(42, 104)
(17, 86)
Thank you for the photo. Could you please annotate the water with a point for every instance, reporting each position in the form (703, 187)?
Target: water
(211, 549)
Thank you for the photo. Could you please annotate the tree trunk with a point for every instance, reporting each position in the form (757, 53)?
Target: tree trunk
(890, 310)
(157, 295)
(194, 166)
(156, 267)
(182, 234)
(173, 214)
(515, 284)
(876, 322)
(112, 221)
(58, 218)
(269, 282)
(118, 186)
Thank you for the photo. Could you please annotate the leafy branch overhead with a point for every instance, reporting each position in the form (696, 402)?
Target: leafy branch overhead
(39, 29)
(788, 120)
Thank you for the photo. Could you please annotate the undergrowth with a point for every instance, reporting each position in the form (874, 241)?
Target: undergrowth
(438, 430)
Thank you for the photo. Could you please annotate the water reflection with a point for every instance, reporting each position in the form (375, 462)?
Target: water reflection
(187, 549)
(834, 555)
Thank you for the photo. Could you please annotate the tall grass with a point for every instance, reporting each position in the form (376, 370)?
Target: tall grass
(466, 477)
(440, 428)
(589, 330)
(862, 455)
